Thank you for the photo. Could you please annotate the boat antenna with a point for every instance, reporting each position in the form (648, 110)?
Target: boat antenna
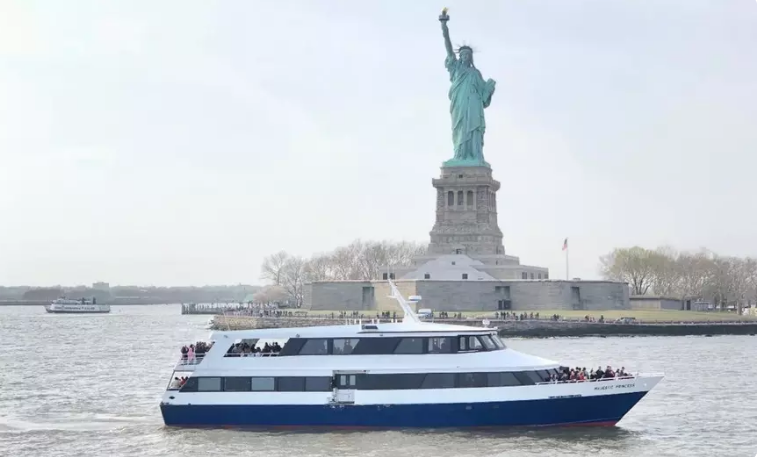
(410, 315)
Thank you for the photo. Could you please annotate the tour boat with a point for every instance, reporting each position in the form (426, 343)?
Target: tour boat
(83, 306)
(408, 374)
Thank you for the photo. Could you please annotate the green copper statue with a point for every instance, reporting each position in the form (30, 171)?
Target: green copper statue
(468, 95)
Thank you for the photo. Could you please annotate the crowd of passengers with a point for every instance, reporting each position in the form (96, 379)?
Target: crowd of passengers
(194, 353)
(244, 349)
(580, 374)
(177, 383)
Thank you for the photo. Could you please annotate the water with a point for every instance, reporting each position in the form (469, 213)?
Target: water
(90, 385)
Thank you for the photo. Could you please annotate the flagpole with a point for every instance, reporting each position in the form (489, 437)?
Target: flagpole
(567, 264)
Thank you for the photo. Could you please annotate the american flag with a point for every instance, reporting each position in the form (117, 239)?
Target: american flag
(565, 244)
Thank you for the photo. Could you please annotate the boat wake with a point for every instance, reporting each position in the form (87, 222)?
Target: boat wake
(95, 422)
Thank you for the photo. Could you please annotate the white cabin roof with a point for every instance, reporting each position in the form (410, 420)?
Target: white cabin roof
(348, 331)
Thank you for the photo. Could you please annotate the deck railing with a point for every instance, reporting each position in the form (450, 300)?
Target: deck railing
(251, 354)
(577, 381)
(184, 360)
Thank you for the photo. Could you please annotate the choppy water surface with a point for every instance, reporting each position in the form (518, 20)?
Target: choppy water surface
(90, 385)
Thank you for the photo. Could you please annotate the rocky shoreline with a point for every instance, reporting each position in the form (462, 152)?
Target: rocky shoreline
(523, 329)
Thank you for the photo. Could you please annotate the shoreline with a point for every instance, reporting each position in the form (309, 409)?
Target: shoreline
(520, 329)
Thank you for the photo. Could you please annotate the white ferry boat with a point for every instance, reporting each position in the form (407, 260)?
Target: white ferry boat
(398, 375)
(83, 306)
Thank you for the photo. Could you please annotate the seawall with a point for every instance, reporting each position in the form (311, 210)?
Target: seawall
(525, 329)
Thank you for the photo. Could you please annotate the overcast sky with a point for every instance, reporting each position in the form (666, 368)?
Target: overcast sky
(180, 142)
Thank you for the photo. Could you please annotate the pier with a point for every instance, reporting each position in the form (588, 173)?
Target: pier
(214, 308)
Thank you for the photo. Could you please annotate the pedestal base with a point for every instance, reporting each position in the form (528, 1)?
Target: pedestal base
(465, 163)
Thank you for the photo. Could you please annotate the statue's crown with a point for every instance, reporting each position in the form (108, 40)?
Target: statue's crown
(463, 47)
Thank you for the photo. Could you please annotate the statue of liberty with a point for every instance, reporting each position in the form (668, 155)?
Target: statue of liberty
(469, 94)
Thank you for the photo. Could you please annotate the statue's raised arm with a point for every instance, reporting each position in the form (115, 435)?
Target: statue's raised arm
(443, 18)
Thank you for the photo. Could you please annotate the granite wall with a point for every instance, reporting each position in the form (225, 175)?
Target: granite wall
(470, 295)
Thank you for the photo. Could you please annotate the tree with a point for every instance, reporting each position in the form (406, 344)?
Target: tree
(273, 266)
(724, 281)
(665, 272)
(635, 265)
(359, 260)
(293, 278)
(694, 273)
(269, 294)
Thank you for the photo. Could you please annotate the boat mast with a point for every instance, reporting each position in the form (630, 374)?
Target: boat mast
(410, 315)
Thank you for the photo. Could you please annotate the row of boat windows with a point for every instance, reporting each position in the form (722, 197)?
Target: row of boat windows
(402, 381)
(383, 346)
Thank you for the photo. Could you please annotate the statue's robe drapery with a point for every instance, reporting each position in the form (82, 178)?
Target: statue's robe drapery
(469, 94)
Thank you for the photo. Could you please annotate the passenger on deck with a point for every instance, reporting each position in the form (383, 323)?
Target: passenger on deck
(191, 354)
(175, 384)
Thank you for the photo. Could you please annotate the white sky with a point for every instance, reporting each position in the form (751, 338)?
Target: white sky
(180, 142)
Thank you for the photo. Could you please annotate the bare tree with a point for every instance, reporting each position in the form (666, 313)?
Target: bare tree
(359, 260)
(695, 272)
(273, 267)
(319, 268)
(666, 275)
(293, 278)
(635, 265)
(727, 282)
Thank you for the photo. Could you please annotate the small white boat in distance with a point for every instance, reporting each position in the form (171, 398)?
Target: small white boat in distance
(83, 306)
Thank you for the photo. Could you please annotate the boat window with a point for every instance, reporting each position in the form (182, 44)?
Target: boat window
(236, 384)
(524, 379)
(439, 381)
(498, 341)
(504, 379)
(318, 384)
(534, 377)
(400, 381)
(292, 346)
(471, 379)
(209, 384)
(544, 375)
(369, 346)
(410, 346)
(344, 346)
(318, 346)
(190, 385)
(470, 343)
(440, 345)
(347, 381)
(263, 384)
(488, 343)
(178, 379)
(291, 384)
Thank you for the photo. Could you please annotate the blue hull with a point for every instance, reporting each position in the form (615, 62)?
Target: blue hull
(601, 410)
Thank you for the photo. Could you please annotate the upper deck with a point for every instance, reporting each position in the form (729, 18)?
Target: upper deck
(365, 329)
(407, 345)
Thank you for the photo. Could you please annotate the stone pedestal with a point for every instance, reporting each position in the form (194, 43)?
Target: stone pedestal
(466, 213)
